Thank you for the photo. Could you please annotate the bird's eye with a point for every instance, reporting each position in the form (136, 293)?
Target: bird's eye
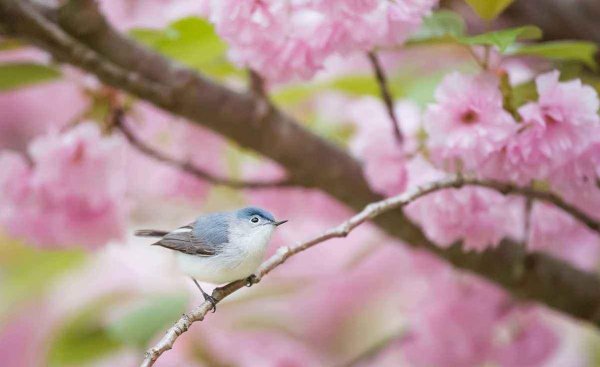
(254, 220)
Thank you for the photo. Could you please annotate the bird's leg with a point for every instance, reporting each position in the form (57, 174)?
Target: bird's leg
(252, 279)
(206, 296)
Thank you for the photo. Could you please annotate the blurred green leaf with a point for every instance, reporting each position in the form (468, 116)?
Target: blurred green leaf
(27, 271)
(523, 93)
(17, 75)
(191, 41)
(489, 9)
(581, 51)
(442, 24)
(143, 322)
(504, 38)
(84, 337)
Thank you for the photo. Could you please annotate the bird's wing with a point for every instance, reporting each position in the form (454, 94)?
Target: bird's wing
(205, 237)
(182, 240)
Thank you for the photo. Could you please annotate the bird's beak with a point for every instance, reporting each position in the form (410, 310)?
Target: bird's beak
(279, 223)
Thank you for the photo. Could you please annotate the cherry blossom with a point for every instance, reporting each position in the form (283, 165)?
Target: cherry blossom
(467, 123)
(73, 194)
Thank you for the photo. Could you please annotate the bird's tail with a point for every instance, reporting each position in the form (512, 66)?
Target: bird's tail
(150, 233)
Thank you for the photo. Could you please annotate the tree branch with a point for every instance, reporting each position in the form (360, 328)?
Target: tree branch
(119, 123)
(386, 94)
(371, 211)
(310, 160)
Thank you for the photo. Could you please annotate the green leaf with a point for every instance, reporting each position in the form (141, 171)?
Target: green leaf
(144, 321)
(191, 41)
(17, 75)
(489, 9)
(580, 51)
(442, 24)
(83, 338)
(504, 38)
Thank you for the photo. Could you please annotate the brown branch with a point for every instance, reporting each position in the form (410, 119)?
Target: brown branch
(342, 230)
(386, 94)
(84, 39)
(119, 123)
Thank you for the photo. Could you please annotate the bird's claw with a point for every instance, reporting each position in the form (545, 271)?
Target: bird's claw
(212, 301)
(252, 279)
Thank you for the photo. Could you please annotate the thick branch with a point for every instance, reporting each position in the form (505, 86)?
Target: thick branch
(371, 211)
(309, 160)
(119, 123)
(386, 94)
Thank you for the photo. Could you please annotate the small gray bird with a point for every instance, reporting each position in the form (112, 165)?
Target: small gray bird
(220, 247)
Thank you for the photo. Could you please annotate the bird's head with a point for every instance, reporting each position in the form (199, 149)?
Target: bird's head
(255, 223)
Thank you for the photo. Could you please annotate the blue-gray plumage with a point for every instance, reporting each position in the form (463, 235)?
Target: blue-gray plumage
(220, 247)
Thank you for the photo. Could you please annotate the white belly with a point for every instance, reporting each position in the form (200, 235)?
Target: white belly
(238, 260)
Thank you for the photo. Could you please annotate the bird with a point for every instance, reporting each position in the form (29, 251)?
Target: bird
(219, 247)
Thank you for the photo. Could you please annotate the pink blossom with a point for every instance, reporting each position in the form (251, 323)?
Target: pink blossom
(576, 180)
(467, 121)
(286, 40)
(376, 145)
(28, 112)
(180, 140)
(555, 130)
(453, 325)
(479, 217)
(72, 195)
(556, 232)
(465, 322)
(524, 339)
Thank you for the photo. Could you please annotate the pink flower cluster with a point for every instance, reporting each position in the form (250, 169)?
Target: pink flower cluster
(292, 39)
(554, 131)
(465, 322)
(71, 193)
(480, 217)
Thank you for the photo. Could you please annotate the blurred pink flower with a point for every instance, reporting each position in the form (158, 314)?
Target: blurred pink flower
(180, 140)
(525, 340)
(556, 232)
(467, 122)
(126, 14)
(73, 195)
(555, 130)
(576, 180)
(375, 144)
(266, 348)
(286, 40)
(478, 216)
(28, 112)
(464, 322)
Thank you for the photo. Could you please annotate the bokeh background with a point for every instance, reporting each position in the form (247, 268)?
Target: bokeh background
(77, 289)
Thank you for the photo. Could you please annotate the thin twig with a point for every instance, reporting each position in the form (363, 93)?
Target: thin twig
(119, 123)
(386, 94)
(369, 212)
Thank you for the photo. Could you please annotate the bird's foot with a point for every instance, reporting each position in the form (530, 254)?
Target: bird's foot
(212, 301)
(252, 279)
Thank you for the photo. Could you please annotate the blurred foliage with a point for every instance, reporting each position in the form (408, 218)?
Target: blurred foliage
(489, 9)
(191, 41)
(27, 271)
(16, 74)
(581, 51)
(440, 25)
(504, 38)
(138, 326)
(83, 337)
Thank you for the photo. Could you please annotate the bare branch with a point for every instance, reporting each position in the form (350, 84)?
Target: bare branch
(386, 94)
(369, 212)
(119, 123)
